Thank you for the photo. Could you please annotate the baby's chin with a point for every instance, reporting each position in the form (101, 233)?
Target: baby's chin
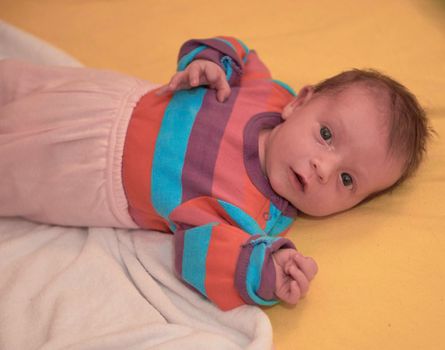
(318, 215)
(318, 211)
(315, 214)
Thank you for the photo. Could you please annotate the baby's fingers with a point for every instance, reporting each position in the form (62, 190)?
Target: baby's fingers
(289, 292)
(295, 273)
(194, 74)
(307, 265)
(294, 293)
(217, 80)
(223, 89)
(179, 81)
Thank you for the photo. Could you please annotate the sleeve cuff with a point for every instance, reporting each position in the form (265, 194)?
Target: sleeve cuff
(255, 272)
(215, 51)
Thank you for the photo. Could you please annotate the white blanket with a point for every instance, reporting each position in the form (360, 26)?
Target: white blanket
(102, 288)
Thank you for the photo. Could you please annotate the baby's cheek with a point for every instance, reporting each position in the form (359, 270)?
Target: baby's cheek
(322, 205)
(277, 182)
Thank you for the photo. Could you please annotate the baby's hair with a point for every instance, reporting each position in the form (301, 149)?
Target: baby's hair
(409, 129)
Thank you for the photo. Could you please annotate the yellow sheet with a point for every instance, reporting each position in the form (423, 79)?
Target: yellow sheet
(382, 265)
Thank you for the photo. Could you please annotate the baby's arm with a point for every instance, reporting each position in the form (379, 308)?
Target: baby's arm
(223, 253)
(293, 272)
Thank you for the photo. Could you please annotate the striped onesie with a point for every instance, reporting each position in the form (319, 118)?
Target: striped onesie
(83, 147)
(191, 166)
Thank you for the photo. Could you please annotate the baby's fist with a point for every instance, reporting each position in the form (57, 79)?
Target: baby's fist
(293, 273)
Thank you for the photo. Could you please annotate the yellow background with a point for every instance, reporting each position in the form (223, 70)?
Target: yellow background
(382, 265)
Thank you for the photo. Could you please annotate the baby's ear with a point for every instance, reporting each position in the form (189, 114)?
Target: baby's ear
(301, 99)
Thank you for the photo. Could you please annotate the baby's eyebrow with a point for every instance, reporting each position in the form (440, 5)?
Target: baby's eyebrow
(342, 131)
(339, 128)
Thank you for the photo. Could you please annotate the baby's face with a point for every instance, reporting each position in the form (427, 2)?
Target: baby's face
(331, 151)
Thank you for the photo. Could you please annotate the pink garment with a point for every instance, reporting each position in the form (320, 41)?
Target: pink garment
(62, 133)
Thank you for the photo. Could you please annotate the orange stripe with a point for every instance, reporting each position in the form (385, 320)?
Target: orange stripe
(278, 98)
(229, 167)
(238, 47)
(254, 69)
(200, 211)
(231, 182)
(222, 256)
(138, 157)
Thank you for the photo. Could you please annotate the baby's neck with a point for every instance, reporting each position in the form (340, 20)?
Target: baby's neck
(263, 139)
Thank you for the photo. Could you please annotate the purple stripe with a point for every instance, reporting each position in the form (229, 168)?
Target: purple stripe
(266, 289)
(265, 120)
(241, 270)
(268, 279)
(179, 246)
(211, 55)
(204, 142)
(213, 43)
(268, 275)
(179, 250)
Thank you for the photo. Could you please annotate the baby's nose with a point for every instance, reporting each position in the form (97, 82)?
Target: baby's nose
(324, 168)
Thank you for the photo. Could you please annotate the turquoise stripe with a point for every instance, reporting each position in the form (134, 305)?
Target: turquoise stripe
(244, 221)
(274, 214)
(277, 222)
(287, 87)
(196, 245)
(171, 147)
(253, 278)
(186, 59)
(245, 49)
(280, 225)
(226, 61)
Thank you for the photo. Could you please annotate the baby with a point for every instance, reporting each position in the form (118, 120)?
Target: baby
(223, 156)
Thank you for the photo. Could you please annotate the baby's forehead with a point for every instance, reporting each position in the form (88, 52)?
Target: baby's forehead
(376, 97)
(358, 92)
(387, 126)
(362, 109)
(377, 92)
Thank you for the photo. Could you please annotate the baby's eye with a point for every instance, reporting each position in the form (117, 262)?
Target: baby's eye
(325, 133)
(346, 179)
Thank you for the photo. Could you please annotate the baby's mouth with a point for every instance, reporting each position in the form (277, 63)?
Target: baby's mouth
(299, 180)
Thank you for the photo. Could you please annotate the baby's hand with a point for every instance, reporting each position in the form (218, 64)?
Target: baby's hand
(293, 274)
(199, 72)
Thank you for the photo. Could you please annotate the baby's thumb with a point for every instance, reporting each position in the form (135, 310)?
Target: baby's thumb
(223, 94)
(312, 268)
